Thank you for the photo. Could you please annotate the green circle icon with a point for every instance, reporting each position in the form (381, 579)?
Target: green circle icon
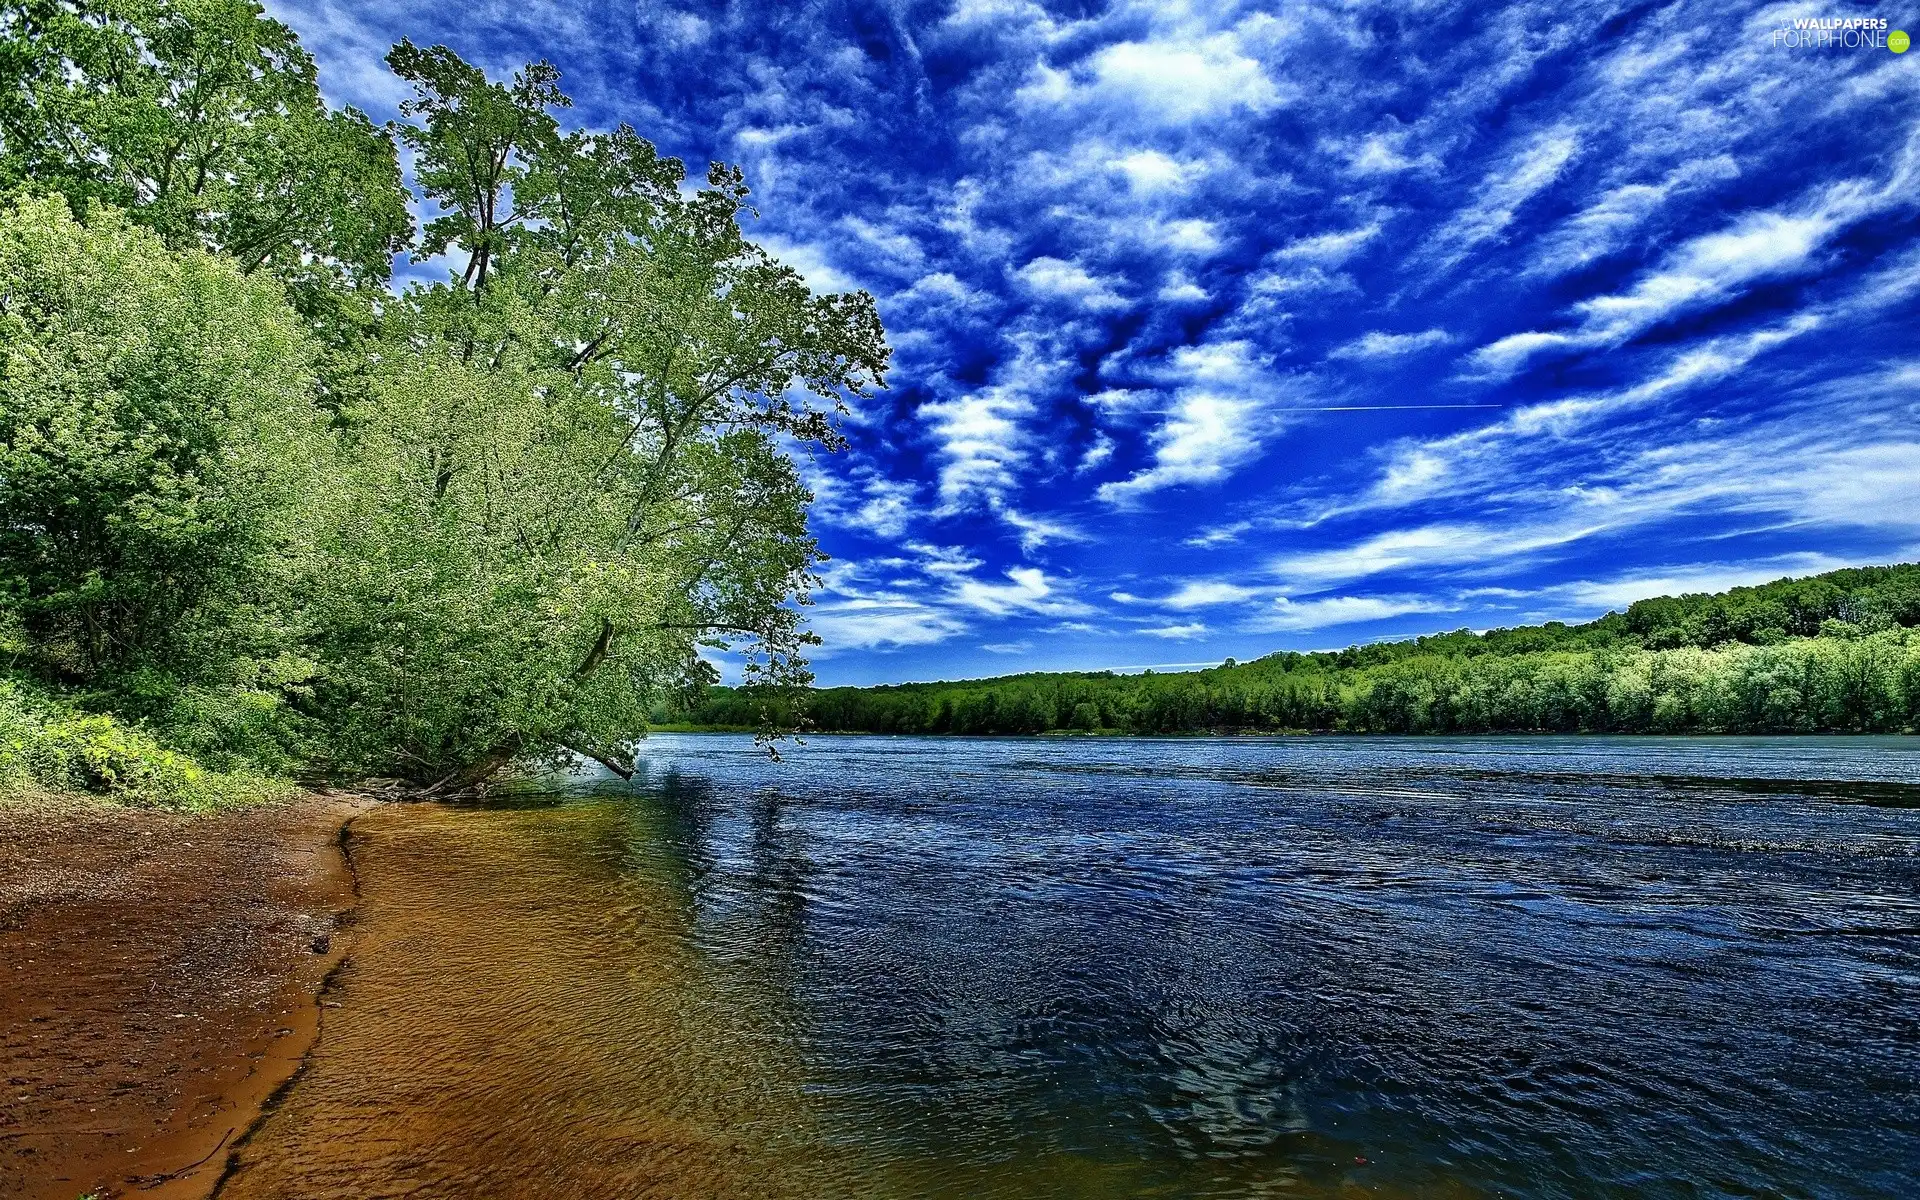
(1898, 41)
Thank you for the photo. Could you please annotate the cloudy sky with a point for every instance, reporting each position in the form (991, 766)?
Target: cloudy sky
(1224, 328)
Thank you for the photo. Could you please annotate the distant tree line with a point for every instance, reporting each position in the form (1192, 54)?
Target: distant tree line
(1838, 652)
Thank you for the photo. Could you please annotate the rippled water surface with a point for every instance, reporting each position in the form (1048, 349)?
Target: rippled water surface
(1303, 967)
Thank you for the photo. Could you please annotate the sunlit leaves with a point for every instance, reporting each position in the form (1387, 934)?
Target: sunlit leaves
(158, 441)
(203, 119)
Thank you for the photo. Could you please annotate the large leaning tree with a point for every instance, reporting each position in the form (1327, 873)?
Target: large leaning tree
(569, 469)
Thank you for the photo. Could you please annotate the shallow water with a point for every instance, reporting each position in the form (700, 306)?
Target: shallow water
(1303, 967)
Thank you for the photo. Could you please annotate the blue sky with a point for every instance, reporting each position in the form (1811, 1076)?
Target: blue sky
(1221, 329)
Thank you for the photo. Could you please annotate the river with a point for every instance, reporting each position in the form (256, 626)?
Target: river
(1313, 967)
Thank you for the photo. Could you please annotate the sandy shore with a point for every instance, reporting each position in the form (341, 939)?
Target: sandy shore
(160, 979)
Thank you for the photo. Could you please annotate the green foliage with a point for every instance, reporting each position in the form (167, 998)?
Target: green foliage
(1832, 653)
(476, 143)
(567, 474)
(157, 435)
(47, 746)
(489, 520)
(202, 118)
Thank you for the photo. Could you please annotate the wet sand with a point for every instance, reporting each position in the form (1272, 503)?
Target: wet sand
(159, 980)
(519, 1021)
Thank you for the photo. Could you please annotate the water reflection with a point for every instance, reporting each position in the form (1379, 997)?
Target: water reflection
(1522, 967)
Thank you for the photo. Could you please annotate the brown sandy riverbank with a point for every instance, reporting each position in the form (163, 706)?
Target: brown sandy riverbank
(527, 1013)
(159, 980)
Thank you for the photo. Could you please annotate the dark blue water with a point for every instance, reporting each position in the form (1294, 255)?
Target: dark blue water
(1425, 967)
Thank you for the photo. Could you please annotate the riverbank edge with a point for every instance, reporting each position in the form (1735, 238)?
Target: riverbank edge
(271, 1087)
(191, 1153)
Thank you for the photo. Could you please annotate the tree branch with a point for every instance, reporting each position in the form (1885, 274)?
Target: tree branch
(622, 765)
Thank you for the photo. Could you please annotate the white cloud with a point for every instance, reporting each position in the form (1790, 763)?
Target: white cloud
(962, 219)
(1220, 415)
(1204, 593)
(1192, 594)
(1277, 282)
(1753, 248)
(1501, 195)
(1119, 402)
(1096, 455)
(812, 264)
(757, 138)
(1178, 633)
(943, 562)
(1827, 484)
(1036, 532)
(1027, 590)
(682, 29)
(1180, 288)
(1473, 458)
(1206, 435)
(941, 291)
(1829, 458)
(1415, 471)
(981, 440)
(1289, 615)
(1378, 345)
(1604, 226)
(1173, 81)
(1383, 154)
(1188, 236)
(1074, 627)
(1329, 249)
(1219, 535)
(1150, 172)
(1716, 267)
(1503, 357)
(997, 14)
(889, 506)
(1426, 547)
(864, 500)
(876, 622)
(1048, 276)
(901, 249)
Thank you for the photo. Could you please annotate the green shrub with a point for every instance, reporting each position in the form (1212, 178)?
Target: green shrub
(46, 746)
(20, 729)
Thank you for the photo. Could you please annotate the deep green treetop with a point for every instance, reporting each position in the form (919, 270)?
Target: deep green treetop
(203, 118)
(474, 140)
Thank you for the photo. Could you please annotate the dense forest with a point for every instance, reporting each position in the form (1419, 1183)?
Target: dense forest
(1838, 652)
(263, 516)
